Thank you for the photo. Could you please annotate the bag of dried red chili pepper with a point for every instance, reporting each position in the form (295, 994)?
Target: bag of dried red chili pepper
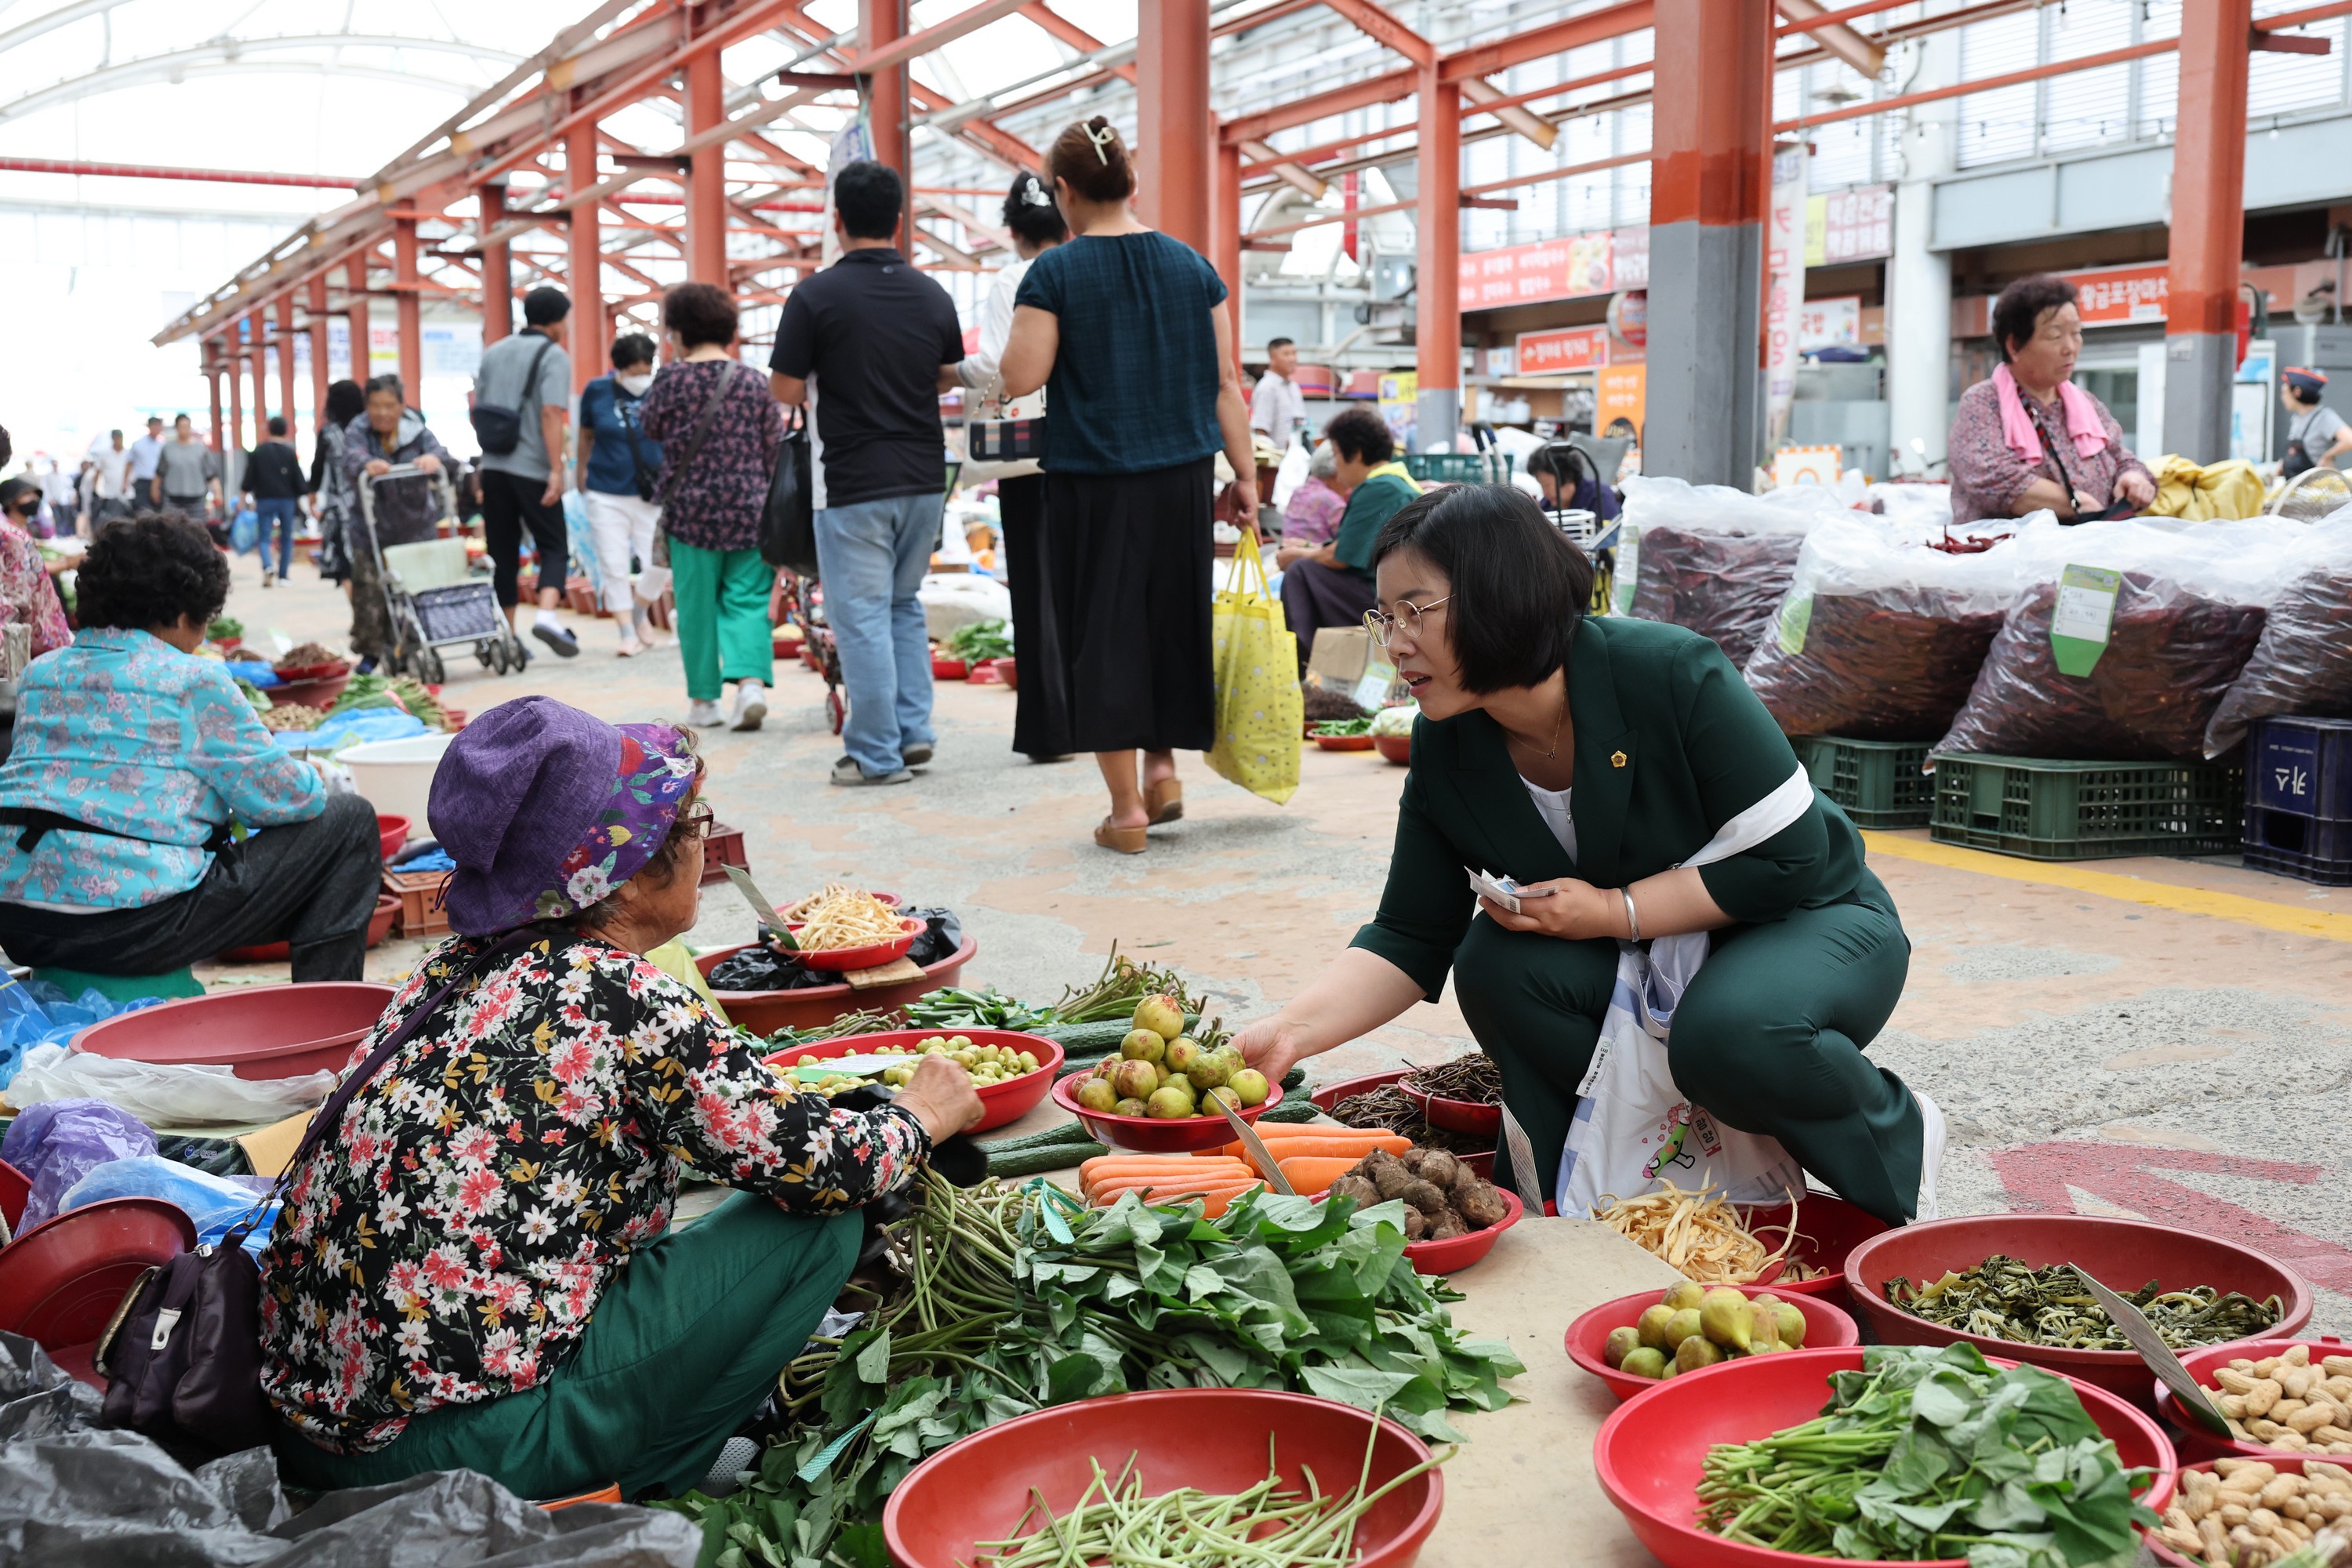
(2303, 662)
(1881, 636)
(1712, 558)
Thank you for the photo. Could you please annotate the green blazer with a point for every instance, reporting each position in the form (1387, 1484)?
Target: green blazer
(1670, 745)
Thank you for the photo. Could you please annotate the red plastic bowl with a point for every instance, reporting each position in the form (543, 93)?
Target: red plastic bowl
(392, 831)
(1483, 1161)
(873, 955)
(1152, 1134)
(1826, 1328)
(315, 692)
(1455, 1115)
(2195, 1443)
(380, 924)
(1397, 748)
(946, 669)
(1344, 743)
(15, 1187)
(1007, 1101)
(1648, 1454)
(2122, 1255)
(61, 1280)
(813, 1007)
(1213, 1439)
(1456, 1253)
(261, 1031)
(1828, 1230)
(294, 672)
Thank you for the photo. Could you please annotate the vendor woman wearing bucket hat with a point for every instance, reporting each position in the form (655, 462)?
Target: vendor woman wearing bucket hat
(1527, 702)
(478, 1268)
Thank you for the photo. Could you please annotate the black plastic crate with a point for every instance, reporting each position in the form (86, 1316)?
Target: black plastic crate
(2309, 848)
(2044, 810)
(2301, 765)
(1880, 783)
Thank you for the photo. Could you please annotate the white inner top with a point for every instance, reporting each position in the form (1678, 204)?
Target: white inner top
(1552, 804)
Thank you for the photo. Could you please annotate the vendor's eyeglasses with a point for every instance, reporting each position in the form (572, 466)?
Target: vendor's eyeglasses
(696, 820)
(1407, 619)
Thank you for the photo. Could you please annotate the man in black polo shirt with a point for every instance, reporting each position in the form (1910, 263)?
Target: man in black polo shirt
(870, 343)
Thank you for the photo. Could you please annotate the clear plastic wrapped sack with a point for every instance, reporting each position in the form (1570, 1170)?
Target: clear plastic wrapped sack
(166, 1094)
(2303, 662)
(1881, 635)
(57, 1144)
(2125, 640)
(1714, 559)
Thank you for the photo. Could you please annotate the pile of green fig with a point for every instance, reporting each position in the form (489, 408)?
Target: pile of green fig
(1692, 1327)
(1160, 1071)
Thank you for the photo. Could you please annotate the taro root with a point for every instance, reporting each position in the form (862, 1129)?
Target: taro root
(1482, 1205)
(1446, 1225)
(1359, 1188)
(1465, 1181)
(1420, 1194)
(1416, 1224)
(1411, 1158)
(1438, 1168)
(1388, 1174)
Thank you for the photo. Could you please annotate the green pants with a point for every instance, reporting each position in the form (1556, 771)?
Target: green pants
(1767, 1039)
(685, 1343)
(723, 632)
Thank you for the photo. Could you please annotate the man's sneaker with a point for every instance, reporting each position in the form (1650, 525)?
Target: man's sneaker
(557, 637)
(1931, 1153)
(705, 715)
(917, 755)
(751, 705)
(847, 772)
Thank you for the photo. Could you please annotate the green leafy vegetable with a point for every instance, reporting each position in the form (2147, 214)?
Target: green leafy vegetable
(225, 628)
(2003, 1298)
(1338, 728)
(978, 640)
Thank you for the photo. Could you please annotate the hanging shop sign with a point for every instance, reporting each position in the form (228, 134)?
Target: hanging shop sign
(1629, 317)
(1823, 322)
(1784, 288)
(2115, 294)
(1618, 392)
(1849, 225)
(1562, 349)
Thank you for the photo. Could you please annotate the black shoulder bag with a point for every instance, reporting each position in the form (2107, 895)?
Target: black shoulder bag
(499, 428)
(788, 523)
(646, 484)
(2051, 445)
(182, 1355)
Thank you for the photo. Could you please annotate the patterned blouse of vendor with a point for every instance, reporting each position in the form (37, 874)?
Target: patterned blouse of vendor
(448, 1243)
(1988, 475)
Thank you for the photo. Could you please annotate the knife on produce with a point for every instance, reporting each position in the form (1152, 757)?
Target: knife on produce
(768, 918)
(848, 1067)
(1257, 1151)
(2156, 1353)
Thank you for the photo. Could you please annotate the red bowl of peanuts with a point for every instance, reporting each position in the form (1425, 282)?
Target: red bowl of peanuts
(2286, 1398)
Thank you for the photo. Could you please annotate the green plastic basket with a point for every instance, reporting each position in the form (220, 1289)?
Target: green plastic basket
(1459, 468)
(2087, 811)
(1878, 783)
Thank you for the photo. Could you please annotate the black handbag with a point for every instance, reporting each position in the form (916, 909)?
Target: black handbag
(1006, 440)
(788, 523)
(182, 1355)
(500, 429)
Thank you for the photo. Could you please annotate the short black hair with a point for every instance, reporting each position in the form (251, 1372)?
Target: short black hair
(346, 401)
(14, 491)
(1360, 434)
(177, 417)
(154, 419)
(1520, 584)
(1030, 211)
(277, 425)
(7, 446)
(869, 197)
(1274, 344)
(2017, 313)
(387, 382)
(632, 348)
(151, 570)
(545, 306)
(700, 314)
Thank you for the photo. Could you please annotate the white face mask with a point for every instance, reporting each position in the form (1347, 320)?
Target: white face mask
(635, 385)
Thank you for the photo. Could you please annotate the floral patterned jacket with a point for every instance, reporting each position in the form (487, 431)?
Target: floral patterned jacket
(449, 1240)
(27, 594)
(122, 731)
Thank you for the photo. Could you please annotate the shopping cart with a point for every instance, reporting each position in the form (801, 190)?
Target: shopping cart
(431, 598)
(801, 601)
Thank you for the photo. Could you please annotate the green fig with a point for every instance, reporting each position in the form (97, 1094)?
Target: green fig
(1793, 1325)
(1096, 1094)
(1645, 1361)
(1697, 1352)
(1167, 1104)
(1136, 1079)
(1251, 1086)
(1182, 1052)
(1652, 1326)
(1142, 1045)
(1682, 1326)
(1131, 1107)
(1160, 1015)
(1684, 1294)
(1621, 1342)
(1763, 1329)
(1725, 1318)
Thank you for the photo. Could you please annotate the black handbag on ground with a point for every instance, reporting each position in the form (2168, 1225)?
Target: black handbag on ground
(788, 523)
(500, 429)
(182, 1355)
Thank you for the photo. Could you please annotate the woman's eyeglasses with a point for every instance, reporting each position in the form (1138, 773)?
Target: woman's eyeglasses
(697, 820)
(1407, 619)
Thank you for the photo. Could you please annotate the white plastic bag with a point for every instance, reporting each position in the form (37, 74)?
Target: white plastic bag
(165, 1095)
(1291, 474)
(1714, 559)
(953, 600)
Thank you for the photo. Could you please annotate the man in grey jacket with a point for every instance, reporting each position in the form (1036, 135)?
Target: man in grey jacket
(530, 373)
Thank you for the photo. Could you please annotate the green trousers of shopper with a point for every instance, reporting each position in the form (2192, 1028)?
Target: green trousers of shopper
(1767, 1039)
(723, 632)
(685, 1343)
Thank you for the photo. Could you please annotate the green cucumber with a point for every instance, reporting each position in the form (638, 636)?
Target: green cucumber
(1067, 1132)
(1045, 1157)
(1293, 1110)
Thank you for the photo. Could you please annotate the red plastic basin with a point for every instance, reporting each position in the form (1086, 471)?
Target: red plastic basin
(1007, 1101)
(1648, 1454)
(392, 831)
(387, 911)
(2122, 1255)
(1397, 748)
(873, 955)
(1157, 1135)
(1456, 1253)
(2195, 1443)
(1828, 1230)
(2285, 1463)
(1455, 1115)
(260, 1031)
(61, 1280)
(1213, 1439)
(1483, 1161)
(16, 1188)
(1826, 1328)
(765, 1012)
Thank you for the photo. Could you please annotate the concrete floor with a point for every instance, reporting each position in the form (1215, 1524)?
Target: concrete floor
(2164, 1038)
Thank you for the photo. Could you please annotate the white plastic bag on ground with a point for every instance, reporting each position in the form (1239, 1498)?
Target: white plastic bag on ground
(1714, 559)
(952, 600)
(165, 1094)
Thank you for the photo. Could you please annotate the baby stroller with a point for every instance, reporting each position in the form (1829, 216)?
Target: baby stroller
(431, 599)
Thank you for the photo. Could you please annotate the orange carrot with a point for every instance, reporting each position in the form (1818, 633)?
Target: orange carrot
(1215, 1202)
(1103, 1164)
(1310, 1173)
(1350, 1150)
(1161, 1190)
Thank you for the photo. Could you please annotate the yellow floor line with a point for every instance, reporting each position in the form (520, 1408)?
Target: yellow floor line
(2236, 907)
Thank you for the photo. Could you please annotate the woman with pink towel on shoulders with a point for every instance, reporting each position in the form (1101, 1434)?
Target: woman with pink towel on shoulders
(2029, 439)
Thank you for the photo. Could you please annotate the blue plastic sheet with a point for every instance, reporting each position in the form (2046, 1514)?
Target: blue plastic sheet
(213, 1203)
(58, 1141)
(431, 861)
(38, 1013)
(354, 727)
(245, 531)
(254, 670)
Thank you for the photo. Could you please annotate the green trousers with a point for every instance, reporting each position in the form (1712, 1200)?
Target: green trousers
(1767, 1039)
(723, 632)
(685, 1343)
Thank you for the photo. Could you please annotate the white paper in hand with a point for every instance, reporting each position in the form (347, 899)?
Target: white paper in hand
(1501, 890)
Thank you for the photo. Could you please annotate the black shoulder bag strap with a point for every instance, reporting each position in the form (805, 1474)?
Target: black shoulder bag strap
(523, 401)
(647, 483)
(38, 824)
(672, 468)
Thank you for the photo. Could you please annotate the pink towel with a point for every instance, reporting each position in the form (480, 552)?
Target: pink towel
(2017, 426)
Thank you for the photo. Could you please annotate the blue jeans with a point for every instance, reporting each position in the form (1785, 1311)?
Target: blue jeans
(871, 558)
(283, 513)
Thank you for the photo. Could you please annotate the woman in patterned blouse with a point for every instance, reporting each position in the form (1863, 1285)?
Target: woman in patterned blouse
(2029, 437)
(478, 1268)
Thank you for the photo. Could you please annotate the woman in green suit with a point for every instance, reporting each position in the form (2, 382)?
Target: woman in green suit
(1587, 760)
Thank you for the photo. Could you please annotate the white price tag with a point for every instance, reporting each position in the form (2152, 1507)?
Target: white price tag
(2083, 612)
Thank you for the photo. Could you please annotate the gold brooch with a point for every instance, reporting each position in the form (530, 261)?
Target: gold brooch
(1616, 758)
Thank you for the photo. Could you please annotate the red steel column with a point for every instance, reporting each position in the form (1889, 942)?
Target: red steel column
(1709, 167)
(1173, 120)
(706, 177)
(2209, 172)
(1225, 223)
(587, 317)
(235, 367)
(355, 315)
(321, 377)
(286, 360)
(410, 307)
(213, 356)
(881, 22)
(1437, 272)
(498, 264)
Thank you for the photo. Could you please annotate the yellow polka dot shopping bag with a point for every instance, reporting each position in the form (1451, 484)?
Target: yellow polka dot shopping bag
(1259, 716)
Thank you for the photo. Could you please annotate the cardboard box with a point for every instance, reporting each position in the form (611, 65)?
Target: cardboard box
(1347, 660)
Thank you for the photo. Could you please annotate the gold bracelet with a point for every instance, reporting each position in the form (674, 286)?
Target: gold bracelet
(1632, 921)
